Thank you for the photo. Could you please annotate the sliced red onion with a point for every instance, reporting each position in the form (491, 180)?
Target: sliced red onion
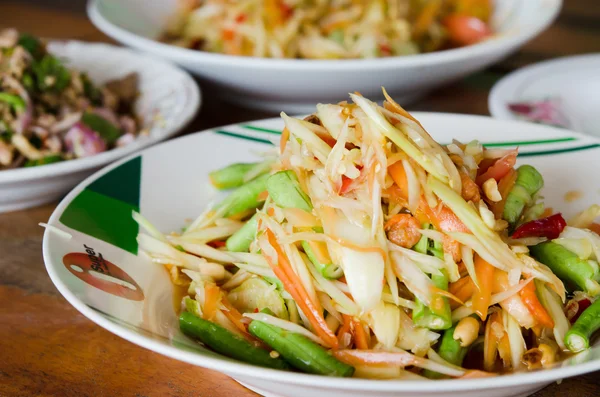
(128, 124)
(83, 141)
(67, 122)
(125, 139)
(107, 114)
(547, 111)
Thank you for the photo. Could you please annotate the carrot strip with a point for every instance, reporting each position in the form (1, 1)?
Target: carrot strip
(285, 135)
(595, 227)
(398, 174)
(536, 309)
(233, 314)
(360, 337)
(482, 296)
(490, 343)
(547, 212)
(441, 217)
(262, 196)
(284, 272)
(345, 328)
(212, 293)
(463, 289)
(504, 187)
(427, 16)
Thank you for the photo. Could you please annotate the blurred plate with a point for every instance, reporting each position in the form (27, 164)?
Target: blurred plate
(168, 184)
(562, 92)
(295, 85)
(169, 99)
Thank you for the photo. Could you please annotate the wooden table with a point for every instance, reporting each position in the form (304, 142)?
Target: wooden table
(48, 349)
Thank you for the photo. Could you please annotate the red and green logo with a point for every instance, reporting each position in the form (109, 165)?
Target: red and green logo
(93, 269)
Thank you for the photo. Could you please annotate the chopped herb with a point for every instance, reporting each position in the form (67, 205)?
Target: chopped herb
(90, 90)
(180, 248)
(107, 130)
(50, 74)
(55, 158)
(36, 142)
(32, 45)
(6, 136)
(28, 82)
(15, 101)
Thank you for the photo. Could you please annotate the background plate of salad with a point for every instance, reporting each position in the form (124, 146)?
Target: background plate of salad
(68, 108)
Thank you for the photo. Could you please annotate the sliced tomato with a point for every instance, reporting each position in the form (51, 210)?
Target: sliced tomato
(466, 30)
(346, 184)
(385, 49)
(228, 34)
(499, 169)
(447, 220)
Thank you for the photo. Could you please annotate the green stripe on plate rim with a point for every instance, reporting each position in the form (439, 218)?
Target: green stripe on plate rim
(241, 136)
(491, 144)
(559, 151)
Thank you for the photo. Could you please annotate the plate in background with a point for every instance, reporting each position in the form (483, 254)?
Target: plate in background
(295, 85)
(562, 92)
(169, 99)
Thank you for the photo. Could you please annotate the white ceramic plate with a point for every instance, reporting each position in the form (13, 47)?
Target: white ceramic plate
(296, 85)
(169, 183)
(570, 85)
(169, 99)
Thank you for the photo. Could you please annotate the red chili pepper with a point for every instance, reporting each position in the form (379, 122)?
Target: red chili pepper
(216, 244)
(286, 11)
(385, 49)
(347, 182)
(583, 304)
(241, 18)
(550, 227)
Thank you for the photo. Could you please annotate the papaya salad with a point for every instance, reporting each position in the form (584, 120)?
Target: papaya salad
(50, 112)
(364, 248)
(328, 29)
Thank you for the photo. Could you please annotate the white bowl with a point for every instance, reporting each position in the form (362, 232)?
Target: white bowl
(169, 99)
(296, 85)
(169, 183)
(572, 83)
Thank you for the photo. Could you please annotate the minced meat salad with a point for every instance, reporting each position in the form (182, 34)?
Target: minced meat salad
(50, 112)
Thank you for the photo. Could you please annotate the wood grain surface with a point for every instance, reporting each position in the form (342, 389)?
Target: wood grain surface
(48, 349)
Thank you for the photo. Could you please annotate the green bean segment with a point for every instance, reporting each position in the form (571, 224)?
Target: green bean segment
(222, 341)
(438, 315)
(529, 182)
(327, 270)
(286, 192)
(575, 272)
(450, 350)
(299, 351)
(578, 337)
(245, 197)
(230, 176)
(240, 240)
